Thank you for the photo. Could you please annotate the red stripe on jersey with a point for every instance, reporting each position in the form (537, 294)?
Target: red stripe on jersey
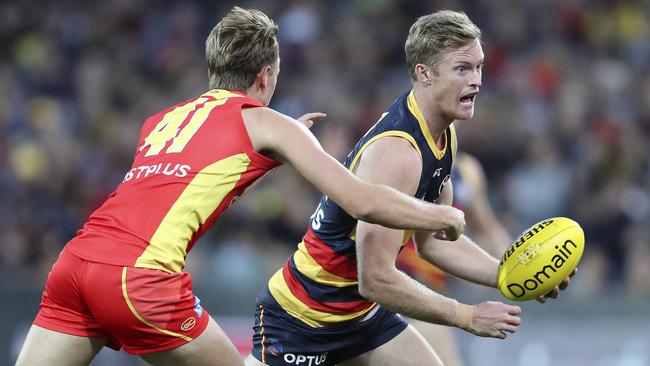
(326, 257)
(330, 307)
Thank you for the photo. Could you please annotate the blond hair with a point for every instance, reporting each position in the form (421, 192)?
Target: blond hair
(433, 34)
(238, 47)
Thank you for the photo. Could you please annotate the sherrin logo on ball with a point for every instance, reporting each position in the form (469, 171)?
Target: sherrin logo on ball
(543, 256)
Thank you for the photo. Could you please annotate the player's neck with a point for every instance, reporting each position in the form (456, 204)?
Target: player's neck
(258, 93)
(254, 93)
(435, 118)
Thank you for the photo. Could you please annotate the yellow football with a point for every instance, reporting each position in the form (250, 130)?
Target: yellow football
(540, 258)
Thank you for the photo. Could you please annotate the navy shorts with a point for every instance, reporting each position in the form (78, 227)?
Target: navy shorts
(282, 340)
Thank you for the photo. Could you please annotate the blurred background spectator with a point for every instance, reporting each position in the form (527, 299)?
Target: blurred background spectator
(562, 124)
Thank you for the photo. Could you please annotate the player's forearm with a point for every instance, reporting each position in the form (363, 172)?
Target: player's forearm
(391, 208)
(463, 259)
(398, 292)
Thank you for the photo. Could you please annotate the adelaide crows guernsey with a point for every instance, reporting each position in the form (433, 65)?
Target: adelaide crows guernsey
(192, 161)
(318, 285)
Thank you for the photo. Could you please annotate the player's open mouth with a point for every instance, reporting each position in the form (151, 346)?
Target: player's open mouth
(468, 99)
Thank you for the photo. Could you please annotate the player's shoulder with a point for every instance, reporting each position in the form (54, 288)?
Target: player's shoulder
(265, 118)
(396, 146)
(393, 161)
(394, 153)
(264, 113)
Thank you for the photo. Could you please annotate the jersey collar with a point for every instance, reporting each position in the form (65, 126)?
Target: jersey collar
(417, 113)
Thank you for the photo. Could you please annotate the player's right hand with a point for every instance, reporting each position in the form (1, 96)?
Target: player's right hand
(455, 224)
(495, 319)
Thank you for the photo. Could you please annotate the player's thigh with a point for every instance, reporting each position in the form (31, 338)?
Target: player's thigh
(211, 348)
(442, 339)
(408, 348)
(46, 347)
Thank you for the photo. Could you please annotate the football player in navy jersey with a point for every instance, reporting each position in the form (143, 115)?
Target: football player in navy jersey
(338, 298)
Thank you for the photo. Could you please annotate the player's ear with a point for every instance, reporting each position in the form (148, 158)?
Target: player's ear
(209, 77)
(264, 75)
(423, 73)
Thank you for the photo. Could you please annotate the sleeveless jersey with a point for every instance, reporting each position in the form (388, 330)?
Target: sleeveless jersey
(193, 160)
(318, 284)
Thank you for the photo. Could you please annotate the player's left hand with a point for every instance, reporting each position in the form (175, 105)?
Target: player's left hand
(308, 119)
(556, 290)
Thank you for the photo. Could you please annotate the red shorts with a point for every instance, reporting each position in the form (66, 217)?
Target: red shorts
(142, 310)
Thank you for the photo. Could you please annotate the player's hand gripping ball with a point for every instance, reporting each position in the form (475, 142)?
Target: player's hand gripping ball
(543, 256)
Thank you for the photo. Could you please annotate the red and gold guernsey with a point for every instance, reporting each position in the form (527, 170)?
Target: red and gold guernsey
(193, 160)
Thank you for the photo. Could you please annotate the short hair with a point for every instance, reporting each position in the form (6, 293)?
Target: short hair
(238, 47)
(435, 33)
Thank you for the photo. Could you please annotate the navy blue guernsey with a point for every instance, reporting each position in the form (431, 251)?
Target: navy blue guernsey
(318, 284)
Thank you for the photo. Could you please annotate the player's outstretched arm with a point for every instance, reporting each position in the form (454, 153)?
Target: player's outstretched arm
(273, 131)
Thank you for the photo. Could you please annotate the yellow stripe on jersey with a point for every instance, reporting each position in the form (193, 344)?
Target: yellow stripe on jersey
(407, 236)
(454, 142)
(135, 313)
(168, 246)
(415, 109)
(311, 269)
(377, 137)
(296, 308)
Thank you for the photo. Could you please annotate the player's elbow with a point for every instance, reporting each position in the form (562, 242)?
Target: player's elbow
(366, 204)
(368, 289)
(364, 210)
(372, 284)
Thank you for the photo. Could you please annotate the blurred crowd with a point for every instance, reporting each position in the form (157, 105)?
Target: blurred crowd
(562, 123)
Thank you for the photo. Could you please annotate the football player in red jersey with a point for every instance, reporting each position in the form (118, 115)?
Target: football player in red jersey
(120, 281)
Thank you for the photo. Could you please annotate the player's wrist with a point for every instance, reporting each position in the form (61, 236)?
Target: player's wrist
(464, 316)
(455, 217)
(494, 279)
